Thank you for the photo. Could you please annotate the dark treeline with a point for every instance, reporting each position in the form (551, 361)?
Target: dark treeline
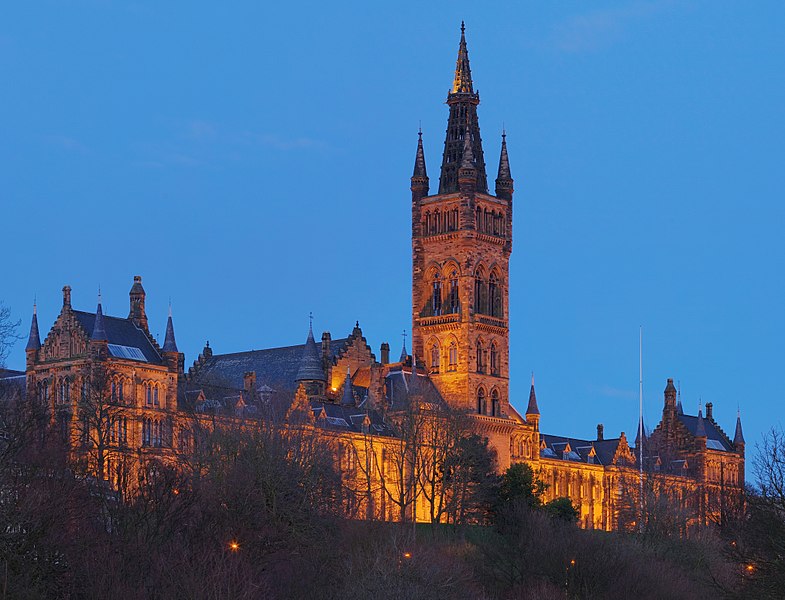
(259, 513)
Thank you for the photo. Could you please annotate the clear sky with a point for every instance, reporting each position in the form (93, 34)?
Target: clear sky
(251, 161)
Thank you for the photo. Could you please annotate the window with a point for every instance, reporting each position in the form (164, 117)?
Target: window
(495, 406)
(481, 407)
(494, 360)
(453, 305)
(120, 391)
(494, 298)
(114, 392)
(437, 221)
(155, 395)
(146, 432)
(427, 223)
(480, 291)
(436, 298)
(148, 393)
(479, 219)
(480, 358)
(435, 358)
(453, 362)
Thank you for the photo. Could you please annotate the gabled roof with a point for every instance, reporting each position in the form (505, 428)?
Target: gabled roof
(274, 367)
(349, 418)
(401, 389)
(715, 438)
(553, 447)
(121, 332)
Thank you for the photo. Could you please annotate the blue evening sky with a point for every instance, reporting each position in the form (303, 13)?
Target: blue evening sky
(251, 160)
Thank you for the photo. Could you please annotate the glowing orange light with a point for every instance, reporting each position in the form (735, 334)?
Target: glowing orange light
(407, 554)
(175, 491)
(750, 568)
(572, 562)
(234, 546)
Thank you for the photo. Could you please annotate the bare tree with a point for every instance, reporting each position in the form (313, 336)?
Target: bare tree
(8, 333)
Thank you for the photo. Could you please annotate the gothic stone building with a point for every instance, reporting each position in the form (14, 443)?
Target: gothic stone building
(461, 245)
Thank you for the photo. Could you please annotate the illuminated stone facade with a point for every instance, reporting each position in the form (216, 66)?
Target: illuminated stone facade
(120, 399)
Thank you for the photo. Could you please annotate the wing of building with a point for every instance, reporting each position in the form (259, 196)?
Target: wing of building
(461, 247)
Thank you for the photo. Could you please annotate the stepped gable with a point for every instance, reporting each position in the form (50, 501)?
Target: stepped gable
(121, 332)
(275, 367)
(713, 432)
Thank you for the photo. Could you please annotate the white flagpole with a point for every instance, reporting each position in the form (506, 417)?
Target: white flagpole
(640, 422)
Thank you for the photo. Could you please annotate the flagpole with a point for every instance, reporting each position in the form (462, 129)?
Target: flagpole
(640, 422)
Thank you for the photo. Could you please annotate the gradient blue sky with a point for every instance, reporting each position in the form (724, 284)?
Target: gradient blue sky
(252, 160)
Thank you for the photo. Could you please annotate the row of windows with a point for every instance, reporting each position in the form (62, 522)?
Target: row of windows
(486, 360)
(156, 433)
(445, 299)
(61, 390)
(482, 403)
(490, 222)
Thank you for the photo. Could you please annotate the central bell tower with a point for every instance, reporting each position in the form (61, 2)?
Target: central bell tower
(461, 245)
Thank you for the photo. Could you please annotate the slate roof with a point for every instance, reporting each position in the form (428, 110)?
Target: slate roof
(274, 367)
(348, 418)
(12, 382)
(605, 449)
(713, 433)
(121, 332)
(399, 389)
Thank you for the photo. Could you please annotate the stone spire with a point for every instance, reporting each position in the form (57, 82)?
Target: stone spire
(738, 437)
(99, 330)
(462, 83)
(463, 101)
(169, 343)
(348, 397)
(419, 161)
(34, 341)
(700, 429)
(641, 428)
(404, 351)
(532, 409)
(504, 162)
(311, 362)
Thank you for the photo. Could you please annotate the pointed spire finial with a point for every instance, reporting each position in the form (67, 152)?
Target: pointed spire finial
(504, 163)
(170, 345)
(700, 428)
(348, 397)
(311, 368)
(463, 27)
(99, 330)
(738, 437)
(419, 160)
(532, 408)
(404, 352)
(34, 340)
(462, 83)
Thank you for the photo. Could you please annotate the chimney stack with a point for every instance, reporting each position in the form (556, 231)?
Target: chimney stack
(600, 432)
(385, 353)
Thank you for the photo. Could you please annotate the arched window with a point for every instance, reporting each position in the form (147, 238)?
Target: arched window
(494, 360)
(480, 293)
(146, 431)
(85, 389)
(148, 394)
(494, 298)
(453, 362)
(437, 221)
(435, 358)
(427, 223)
(120, 390)
(495, 408)
(453, 304)
(436, 297)
(480, 358)
(155, 395)
(114, 391)
(455, 219)
(66, 391)
(479, 219)
(481, 404)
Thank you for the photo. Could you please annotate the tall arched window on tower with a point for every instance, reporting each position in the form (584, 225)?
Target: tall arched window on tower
(494, 359)
(437, 221)
(494, 298)
(481, 402)
(480, 358)
(427, 223)
(453, 306)
(480, 293)
(453, 356)
(436, 298)
(435, 358)
(495, 408)
(478, 224)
